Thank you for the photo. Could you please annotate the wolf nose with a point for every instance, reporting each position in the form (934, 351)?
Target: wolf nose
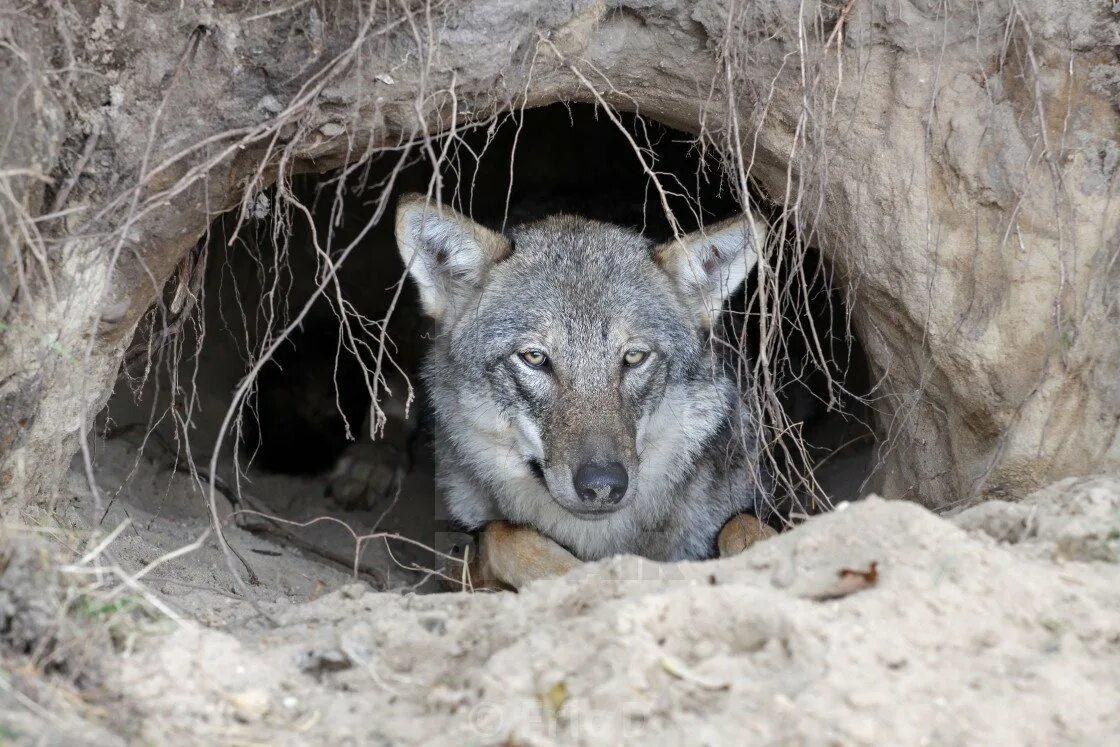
(603, 484)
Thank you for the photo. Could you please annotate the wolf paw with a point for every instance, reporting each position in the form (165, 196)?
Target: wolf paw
(742, 531)
(366, 473)
(511, 556)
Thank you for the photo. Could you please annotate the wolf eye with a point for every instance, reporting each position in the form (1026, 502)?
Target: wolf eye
(533, 358)
(634, 358)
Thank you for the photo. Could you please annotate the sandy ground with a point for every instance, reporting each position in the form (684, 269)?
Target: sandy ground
(1000, 625)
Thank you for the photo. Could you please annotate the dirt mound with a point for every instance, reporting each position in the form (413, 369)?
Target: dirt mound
(879, 623)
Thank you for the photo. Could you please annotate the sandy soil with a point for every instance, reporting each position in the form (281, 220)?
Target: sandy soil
(998, 625)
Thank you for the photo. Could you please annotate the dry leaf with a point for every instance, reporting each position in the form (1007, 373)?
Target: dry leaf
(317, 590)
(553, 699)
(851, 581)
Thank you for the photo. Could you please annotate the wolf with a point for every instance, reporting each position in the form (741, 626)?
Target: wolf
(580, 407)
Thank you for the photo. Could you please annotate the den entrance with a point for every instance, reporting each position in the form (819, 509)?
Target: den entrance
(285, 474)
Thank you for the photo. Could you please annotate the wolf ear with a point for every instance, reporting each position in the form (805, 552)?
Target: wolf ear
(709, 264)
(447, 254)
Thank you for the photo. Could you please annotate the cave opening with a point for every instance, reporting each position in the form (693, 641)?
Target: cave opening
(299, 467)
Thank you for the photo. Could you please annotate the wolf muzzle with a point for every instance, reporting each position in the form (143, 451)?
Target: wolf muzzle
(601, 486)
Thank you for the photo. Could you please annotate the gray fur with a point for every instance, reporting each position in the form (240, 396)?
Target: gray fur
(583, 292)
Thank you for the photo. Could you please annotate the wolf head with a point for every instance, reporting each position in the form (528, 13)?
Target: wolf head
(571, 364)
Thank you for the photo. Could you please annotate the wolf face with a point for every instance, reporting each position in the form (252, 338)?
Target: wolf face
(572, 385)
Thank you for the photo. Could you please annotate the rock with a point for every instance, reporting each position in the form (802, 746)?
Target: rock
(250, 706)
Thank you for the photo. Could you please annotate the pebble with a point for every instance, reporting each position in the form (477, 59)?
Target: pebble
(250, 706)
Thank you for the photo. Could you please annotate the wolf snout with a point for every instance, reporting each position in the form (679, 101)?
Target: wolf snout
(601, 486)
